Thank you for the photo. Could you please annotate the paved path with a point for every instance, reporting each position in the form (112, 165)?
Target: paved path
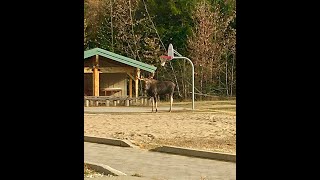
(154, 165)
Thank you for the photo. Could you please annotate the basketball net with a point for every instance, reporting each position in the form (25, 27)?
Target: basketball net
(164, 59)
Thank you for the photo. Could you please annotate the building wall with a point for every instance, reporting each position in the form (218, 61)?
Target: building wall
(88, 84)
(88, 62)
(113, 80)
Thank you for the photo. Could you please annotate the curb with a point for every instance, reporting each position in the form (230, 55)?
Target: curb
(196, 153)
(166, 149)
(108, 141)
(101, 168)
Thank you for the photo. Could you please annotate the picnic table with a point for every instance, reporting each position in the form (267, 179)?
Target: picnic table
(112, 90)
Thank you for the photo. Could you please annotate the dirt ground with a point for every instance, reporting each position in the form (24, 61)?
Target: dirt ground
(212, 126)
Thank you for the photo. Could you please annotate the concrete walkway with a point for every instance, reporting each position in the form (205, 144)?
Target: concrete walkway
(154, 165)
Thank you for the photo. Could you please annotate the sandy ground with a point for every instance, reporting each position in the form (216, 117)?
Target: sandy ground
(211, 127)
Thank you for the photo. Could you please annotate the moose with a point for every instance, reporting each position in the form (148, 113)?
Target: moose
(154, 88)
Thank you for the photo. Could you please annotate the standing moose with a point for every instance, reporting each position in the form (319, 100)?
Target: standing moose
(154, 88)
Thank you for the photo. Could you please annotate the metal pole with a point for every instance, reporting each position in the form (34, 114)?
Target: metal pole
(192, 77)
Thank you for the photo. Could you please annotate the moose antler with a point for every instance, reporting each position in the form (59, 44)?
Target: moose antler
(151, 76)
(142, 78)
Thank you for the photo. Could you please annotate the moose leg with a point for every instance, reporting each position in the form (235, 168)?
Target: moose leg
(155, 99)
(152, 103)
(171, 101)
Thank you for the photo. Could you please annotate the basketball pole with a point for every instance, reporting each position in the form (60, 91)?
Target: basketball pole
(171, 56)
(181, 57)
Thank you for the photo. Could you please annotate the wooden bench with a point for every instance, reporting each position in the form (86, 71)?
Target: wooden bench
(145, 100)
(96, 100)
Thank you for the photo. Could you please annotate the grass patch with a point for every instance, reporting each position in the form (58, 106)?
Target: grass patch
(224, 145)
(90, 173)
(203, 104)
(136, 175)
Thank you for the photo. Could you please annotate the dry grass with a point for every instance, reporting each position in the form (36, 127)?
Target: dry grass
(204, 104)
(226, 145)
(136, 175)
(90, 173)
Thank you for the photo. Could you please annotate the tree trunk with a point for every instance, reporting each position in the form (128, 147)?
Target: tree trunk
(111, 26)
(184, 76)
(201, 79)
(219, 73)
(182, 83)
(175, 77)
(227, 75)
(232, 75)
(211, 71)
(135, 54)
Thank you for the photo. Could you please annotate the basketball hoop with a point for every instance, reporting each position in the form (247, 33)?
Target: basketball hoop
(169, 57)
(164, 59)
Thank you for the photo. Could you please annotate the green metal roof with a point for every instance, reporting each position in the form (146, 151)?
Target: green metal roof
(119, 58)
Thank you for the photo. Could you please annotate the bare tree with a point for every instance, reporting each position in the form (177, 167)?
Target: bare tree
(201, 44)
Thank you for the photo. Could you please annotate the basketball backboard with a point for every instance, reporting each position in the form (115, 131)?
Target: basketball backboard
(170, 51)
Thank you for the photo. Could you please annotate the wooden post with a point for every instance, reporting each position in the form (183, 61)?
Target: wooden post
(96, 77)
(137, 82)
(130, 87)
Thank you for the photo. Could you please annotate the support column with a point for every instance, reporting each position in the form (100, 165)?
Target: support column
(130, 87)
(96, 77)
(137, 81)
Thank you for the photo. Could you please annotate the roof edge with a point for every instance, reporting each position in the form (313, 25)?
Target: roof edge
(119, 58)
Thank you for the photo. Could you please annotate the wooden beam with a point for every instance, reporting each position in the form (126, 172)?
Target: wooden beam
(96, 77)
(87, 70)
(130, 88)
(117, 69)
(137, 81)
(131, 76)
(111, 70)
